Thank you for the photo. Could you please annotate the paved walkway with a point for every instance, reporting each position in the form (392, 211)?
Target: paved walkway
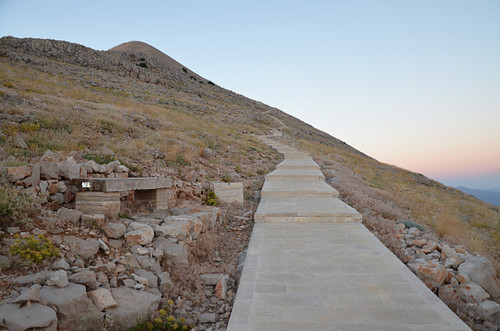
(312, 265)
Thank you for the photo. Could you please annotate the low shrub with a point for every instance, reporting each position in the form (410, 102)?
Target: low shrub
(162, 321)
(33, 250)
(99, 158)
(212, 199)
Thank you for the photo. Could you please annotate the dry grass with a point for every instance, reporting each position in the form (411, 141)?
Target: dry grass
(66, 115)
(387, 193)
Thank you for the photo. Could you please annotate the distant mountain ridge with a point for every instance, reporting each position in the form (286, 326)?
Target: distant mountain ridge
(491, 196)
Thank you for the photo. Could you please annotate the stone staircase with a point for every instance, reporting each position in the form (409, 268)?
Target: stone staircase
(296, 192)
(312, 265)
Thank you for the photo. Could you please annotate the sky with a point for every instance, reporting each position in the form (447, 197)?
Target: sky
(411, 83)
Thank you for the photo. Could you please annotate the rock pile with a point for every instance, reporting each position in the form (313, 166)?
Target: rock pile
(466, 282)
(114, 277)
(51, 176)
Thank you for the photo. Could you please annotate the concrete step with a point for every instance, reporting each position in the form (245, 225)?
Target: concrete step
(298, 189)
(305, 210)
(303, 163)
(295, 174)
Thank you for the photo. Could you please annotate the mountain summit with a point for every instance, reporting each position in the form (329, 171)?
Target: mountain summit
(142, 47)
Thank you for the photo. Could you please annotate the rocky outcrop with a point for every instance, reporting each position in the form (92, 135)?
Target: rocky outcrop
(466, 282)
(122, 289)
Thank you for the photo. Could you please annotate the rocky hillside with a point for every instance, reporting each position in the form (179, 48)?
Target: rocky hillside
(135, 105)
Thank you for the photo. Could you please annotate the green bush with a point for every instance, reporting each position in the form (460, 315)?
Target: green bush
(34, 249)
(99, 158)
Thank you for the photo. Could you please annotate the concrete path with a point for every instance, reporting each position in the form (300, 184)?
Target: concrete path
(312, 265)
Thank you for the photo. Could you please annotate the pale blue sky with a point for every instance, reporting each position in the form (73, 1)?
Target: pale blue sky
(411, 83)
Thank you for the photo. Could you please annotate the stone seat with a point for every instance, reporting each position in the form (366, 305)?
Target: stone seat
(102, 195)
(122, 184)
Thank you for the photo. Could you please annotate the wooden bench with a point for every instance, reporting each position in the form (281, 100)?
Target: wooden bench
(102, 195)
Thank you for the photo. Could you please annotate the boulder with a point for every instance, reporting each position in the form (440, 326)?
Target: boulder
(49, 156)
(141, 280)
(18, 173)
(132, 306)
(92, 166)
(34, 179)
(31, 295)
(144, 221)
(208, 318)
(70, 215)
(121, 169)
(472, 292)
(84, 248)
(61, 264)
(431, 272)
(481, 271)
(49, 170)
(74, 309)
(58, 198)
(212, 279)
(490, 311)
(151, 277)
(29, 317)
(102, 298)
(208, 218)
(85, 277)
(114, 230)
(61, 187)
(149, 263)
(453, 261)
(68, 168)
(174, 252)
(179, 227)
(58, 278)
(141, 236)
(111, 166)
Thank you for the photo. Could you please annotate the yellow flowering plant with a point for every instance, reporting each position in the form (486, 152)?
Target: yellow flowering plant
(161, 320)
(34, 249)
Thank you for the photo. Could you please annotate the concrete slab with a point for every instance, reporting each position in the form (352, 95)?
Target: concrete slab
(305, 210)
(229, 192)
(298, 189)
(331, 276)
(303, 163)
(296, 174)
